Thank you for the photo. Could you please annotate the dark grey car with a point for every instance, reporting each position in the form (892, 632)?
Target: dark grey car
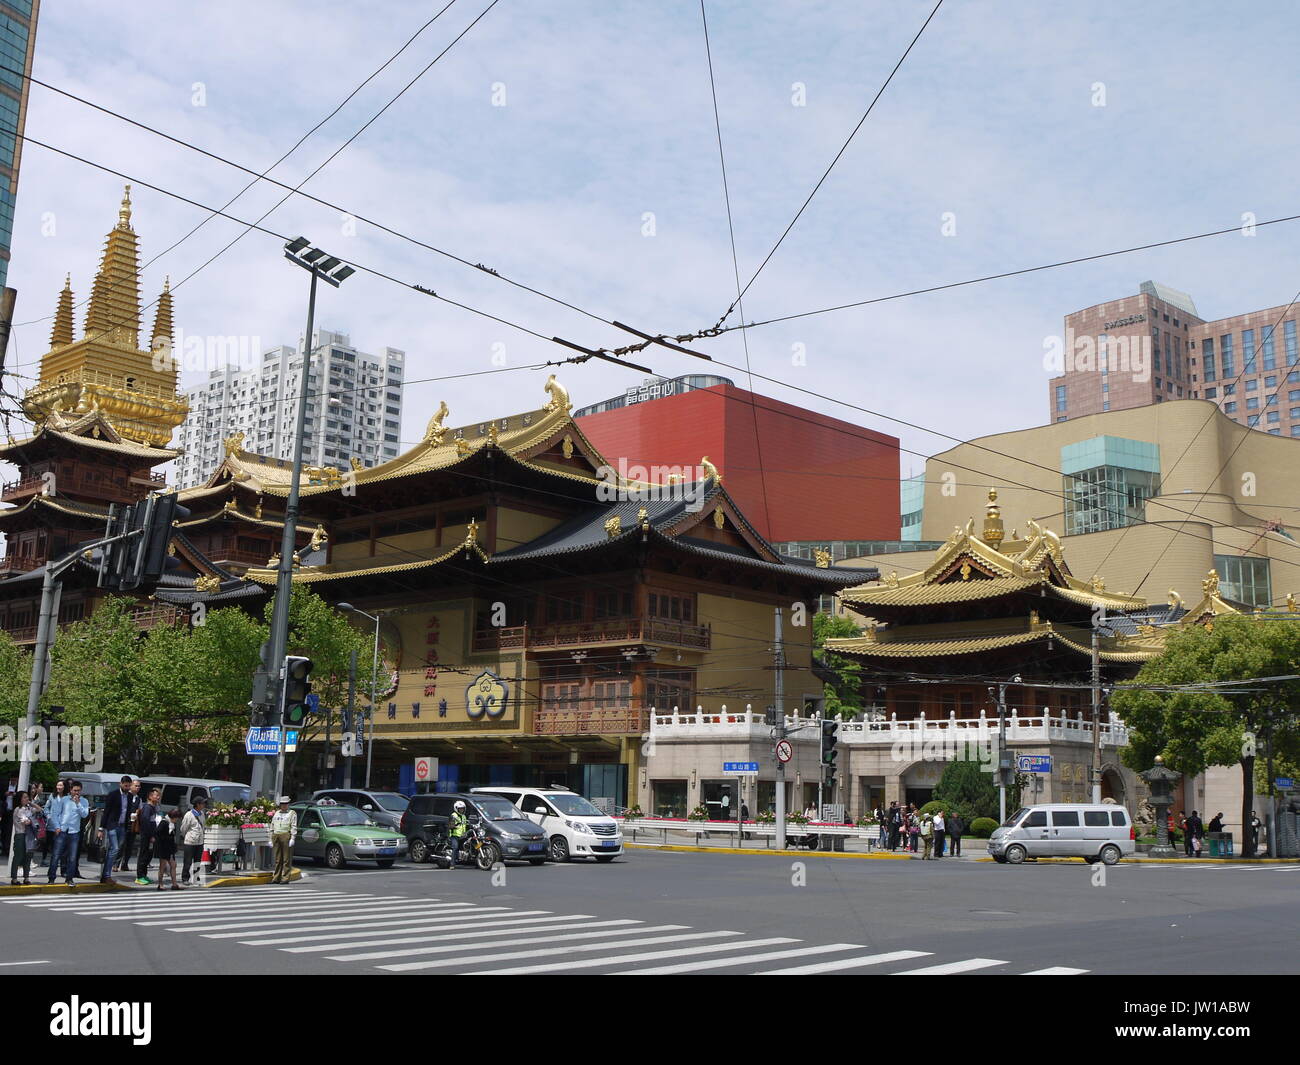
(425, 826)
(383, 807)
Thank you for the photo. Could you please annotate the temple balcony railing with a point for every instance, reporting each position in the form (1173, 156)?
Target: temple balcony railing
(144, 617)
(603, 632)
(734, 725)
(619, 720)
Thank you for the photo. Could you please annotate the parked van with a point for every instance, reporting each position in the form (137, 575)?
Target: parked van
(179, 793)
(1101, 832)
(574, 828)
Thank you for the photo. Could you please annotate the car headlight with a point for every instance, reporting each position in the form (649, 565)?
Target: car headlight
(579, 827)
(508, 835)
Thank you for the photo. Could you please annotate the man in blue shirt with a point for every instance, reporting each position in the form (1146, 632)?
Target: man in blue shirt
(64, 820)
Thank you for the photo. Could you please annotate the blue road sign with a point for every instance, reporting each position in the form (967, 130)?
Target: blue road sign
(312, 702)
(1284, 782)
(291, 739)
(262, 741)
(1033, 763)
(736, 768)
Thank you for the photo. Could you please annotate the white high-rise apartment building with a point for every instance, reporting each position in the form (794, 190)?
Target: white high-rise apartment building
(354, 409)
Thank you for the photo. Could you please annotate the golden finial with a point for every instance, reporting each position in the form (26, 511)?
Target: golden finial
(643, 517)
(462, 446)
(1175, 600)
(357, 464)
(257, 512)
(710, 470)
(613, 526)
(274, 561)
(719, 519)
(871, 625)
(318, 537)
(567, 446)
(471, 534)
(993, 528)
(559, 395)
(893, 578)
(124, 212)
(965, 569)
(207, 585)
(1210, 586)
(1290, 602)
(234, 445)
(435, 430)
(1098, 584)
(822, 557)
(492, 434)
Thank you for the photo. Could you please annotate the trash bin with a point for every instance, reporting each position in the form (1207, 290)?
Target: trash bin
(1225, 845)
(1214, 844)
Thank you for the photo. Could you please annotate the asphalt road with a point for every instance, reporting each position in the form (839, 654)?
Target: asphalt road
(679, 912)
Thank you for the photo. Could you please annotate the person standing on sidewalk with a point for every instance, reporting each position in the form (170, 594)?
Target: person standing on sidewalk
(147, 818)
(164, 845)
(895, 824)
(50, 803)
(112, 826)
(956, 829)
(284, 830)
(193, 828)
(132, 833)
(927, 836)
(67, 834)
(24, 840)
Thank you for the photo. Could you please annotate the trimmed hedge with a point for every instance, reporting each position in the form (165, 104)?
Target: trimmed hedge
(982, 827)
(934, 807)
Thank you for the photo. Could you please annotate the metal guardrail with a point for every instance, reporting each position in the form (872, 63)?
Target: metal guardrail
(760, 829)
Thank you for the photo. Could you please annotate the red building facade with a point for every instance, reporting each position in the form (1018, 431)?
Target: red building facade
(797, 474)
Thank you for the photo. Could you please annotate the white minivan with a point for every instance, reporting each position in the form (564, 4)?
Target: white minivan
(1095, 833)
(573, 827)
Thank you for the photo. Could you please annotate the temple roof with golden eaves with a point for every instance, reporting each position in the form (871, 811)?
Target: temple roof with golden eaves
(972, 569)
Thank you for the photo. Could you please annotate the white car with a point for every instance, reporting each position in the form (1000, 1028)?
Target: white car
(574, 827)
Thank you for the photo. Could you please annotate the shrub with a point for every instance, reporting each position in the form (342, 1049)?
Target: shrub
(633, 812)
(982, 827)
(968, 790)
(934, 807)
(698, 814)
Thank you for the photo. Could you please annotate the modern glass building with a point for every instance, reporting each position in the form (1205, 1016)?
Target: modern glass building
(17, 41)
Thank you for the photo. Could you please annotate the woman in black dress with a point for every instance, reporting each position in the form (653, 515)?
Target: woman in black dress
(164, 848)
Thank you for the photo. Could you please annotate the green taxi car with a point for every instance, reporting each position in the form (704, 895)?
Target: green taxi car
(335, 834)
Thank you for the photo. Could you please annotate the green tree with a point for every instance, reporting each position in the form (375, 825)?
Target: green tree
(15, 678)
(844, 698)
(968, 789)
(1194, 729)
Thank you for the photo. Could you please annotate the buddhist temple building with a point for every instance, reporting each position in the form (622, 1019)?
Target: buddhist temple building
(535, 609)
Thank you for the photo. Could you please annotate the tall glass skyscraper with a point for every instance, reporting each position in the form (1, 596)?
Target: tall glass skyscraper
(17, 41)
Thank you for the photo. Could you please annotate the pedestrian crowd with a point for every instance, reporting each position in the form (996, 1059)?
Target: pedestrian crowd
(49, 828)
(931, 834)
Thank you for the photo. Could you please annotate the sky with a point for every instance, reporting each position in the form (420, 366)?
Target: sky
(571, 146)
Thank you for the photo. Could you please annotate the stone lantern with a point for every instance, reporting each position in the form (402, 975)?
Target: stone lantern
(1161, 782)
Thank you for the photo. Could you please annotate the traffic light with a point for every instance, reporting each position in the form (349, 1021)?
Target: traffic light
(829, 749)
(297, 686)
(141, 558)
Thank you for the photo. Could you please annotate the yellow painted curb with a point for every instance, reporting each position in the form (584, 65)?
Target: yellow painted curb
(747, 850)
(250, 881)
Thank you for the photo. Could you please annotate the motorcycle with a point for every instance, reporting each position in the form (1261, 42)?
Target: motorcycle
(476, 848)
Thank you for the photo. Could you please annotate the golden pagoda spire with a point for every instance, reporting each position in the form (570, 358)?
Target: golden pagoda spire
(114, 313)
(162, 322)
(61, 334)
(993, 527)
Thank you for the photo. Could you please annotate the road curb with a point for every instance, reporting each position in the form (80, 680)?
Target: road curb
(96, 888)
(783, 854)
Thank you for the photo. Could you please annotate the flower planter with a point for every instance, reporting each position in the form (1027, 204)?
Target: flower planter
(221, 838)
(257, 834)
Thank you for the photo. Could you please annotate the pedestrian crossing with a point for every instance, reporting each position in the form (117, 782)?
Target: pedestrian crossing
(402, 934)
(1221, 866)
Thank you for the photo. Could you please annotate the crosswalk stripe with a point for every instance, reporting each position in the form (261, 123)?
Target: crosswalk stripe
(484, 913)
(218, 923)
(467, 959)
(748, 959)
(168, 897)
(480, 933)
(155, 917)
(415, 924)
(444, 948)
(193, 897)
(967, 966)
(1057, 970)
(619, 959)
(849, 963)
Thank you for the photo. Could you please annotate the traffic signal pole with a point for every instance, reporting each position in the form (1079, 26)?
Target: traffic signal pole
(779, 733)
(278, 644)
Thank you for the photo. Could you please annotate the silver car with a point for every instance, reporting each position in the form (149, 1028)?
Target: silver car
(383, 807)
(1095, 833)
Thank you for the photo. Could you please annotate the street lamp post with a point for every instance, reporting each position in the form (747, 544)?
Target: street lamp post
(334, 272)
(374, 683)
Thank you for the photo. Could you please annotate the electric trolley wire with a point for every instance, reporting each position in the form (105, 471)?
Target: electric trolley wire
(263, 175)
(735, 261)
(826, 174)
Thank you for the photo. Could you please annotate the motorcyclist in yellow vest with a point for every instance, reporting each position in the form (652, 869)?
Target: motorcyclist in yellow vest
(457, 826)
